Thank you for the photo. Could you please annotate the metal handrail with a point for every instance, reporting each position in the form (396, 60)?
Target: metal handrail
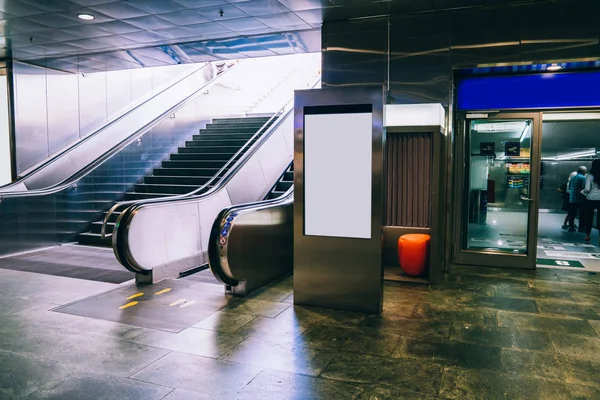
(195, 191)
(94, 164)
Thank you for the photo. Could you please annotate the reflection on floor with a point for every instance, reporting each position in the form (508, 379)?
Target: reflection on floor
(481, 334)
(557, 248)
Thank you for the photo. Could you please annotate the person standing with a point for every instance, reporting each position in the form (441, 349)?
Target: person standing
(576, 197)
(592, 195)
(564, 191)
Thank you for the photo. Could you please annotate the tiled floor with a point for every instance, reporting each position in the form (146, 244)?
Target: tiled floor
(482, 334)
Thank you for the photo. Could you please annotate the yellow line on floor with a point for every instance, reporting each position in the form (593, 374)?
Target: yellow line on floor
(163, 291)
(131, 304)
(177, 302)
(133, 296)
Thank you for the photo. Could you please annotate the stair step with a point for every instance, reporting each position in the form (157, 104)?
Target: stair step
(230, 130)
(213, 136)
(198, 157)
(177, 180)
(236, 120)
(193, 164)
(96, 227)
(283, 186)
(94, 239)
(288, 176)
(210, 172)
(275, 194)
(215, 144)
(207, 153)
(164, 188)
(145, 196)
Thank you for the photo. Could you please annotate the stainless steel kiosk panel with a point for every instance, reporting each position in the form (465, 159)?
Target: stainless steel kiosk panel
(338, 198)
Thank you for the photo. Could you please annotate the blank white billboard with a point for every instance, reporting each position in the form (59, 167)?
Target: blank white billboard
(338, 174)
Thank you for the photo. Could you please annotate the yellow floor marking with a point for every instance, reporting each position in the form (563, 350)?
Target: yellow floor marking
(134, 296)
(163, 291)
(177, 302)
(131, 304)
(189, 303)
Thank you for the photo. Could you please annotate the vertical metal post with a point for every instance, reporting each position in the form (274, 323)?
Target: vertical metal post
(11, 118)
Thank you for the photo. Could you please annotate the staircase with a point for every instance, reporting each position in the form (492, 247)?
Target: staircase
(283, 184)
(188, 169)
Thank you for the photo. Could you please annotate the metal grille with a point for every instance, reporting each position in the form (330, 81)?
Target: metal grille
(409, 179)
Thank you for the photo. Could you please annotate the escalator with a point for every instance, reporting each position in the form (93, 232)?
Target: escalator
(162, 238)
(203, 159)
(251, 245)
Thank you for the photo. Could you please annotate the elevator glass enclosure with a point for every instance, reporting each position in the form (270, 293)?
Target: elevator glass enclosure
(497, 203)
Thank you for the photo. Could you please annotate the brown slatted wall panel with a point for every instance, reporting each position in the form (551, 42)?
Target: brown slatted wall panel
(409, 160)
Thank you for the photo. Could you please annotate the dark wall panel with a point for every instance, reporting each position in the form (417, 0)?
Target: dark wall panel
(425, 47)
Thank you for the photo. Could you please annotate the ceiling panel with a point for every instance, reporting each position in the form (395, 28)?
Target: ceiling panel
(38, 29)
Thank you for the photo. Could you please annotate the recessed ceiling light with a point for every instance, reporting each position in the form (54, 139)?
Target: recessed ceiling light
(86, 17)
(554, 67)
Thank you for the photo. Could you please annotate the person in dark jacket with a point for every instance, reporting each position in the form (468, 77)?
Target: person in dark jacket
(576, 198)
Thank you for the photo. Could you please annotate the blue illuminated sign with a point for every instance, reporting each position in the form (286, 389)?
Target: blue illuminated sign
(531, 91)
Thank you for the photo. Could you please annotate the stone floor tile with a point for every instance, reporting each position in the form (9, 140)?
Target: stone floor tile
(536, 322)
(109, 356)
(416, 376)
(381, 393)
(578, 392)
(360, 340)
(273, 326)
(467, 355)
(224, 321)
(581, 371)
(533, 364)
(272, 293)
(467, 384)
(467, 315)
(595, 325)
(576, 346)
(87, 386)
(568, 309)
(309, 315)
(408, 327)
(273, 385)
(289, 299)
(206, 376)
(180, 394)
(503, 337)
(29, 339)
(295, 357)
(194, 341)
(263, 308)
(22, 375)
(505, 303)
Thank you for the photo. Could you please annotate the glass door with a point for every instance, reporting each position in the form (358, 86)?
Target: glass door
(497, 202)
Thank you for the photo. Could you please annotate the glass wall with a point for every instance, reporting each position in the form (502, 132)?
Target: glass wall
(498, 168)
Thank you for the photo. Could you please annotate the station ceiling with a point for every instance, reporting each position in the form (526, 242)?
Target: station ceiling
(140, 33)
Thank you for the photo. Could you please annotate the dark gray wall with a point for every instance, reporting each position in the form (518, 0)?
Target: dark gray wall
(424, 48)
(55, 109)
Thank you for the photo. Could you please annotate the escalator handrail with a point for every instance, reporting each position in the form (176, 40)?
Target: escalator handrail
(213, 258)
(124, 220)
(194, 192)
(115, 149)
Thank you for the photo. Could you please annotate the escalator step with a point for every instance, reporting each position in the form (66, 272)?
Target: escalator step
(193, 164)
(186, 171)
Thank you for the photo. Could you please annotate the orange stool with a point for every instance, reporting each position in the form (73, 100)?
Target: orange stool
(413, 253)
